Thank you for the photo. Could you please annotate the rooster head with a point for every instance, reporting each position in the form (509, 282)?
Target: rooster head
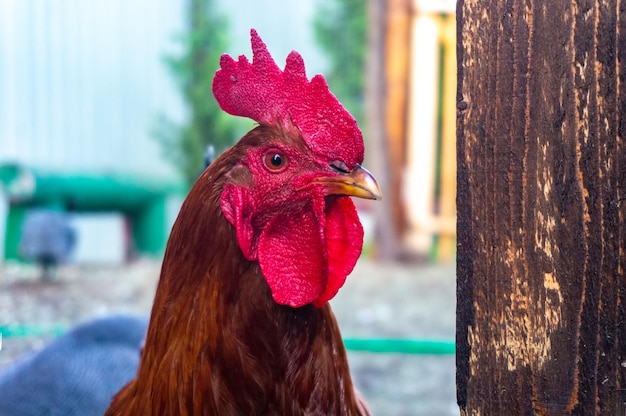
(288, 197)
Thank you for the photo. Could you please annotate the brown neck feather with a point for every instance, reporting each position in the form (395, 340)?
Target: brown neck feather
(218, 344)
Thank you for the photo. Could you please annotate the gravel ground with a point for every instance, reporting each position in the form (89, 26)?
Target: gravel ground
(379, 300)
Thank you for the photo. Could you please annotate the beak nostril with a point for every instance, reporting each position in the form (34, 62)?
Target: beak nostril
(357, 182)
(339, 166)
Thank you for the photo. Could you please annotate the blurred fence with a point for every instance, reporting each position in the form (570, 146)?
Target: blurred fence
(429, 189)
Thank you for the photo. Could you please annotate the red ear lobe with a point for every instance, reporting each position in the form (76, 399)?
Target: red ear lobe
(237, 208)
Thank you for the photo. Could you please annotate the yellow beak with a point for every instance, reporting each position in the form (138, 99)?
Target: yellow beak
(359, 182)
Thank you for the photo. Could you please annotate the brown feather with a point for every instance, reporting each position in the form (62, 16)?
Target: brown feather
(217, 343)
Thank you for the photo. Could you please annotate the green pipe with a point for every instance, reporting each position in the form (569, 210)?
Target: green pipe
(401, 346)
(84, 190)
(372, 345)
(23, 331)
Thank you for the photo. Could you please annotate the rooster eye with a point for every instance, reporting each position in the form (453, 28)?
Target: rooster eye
(275, 161)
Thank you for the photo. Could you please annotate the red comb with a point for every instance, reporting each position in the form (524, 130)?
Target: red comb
(264, 93)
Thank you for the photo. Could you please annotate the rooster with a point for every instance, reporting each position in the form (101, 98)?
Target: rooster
(241, 323)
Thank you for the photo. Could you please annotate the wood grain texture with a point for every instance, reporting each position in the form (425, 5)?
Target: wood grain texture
(541, 204)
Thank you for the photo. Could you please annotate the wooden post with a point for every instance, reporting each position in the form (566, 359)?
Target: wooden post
(541, 292)
(386, 95)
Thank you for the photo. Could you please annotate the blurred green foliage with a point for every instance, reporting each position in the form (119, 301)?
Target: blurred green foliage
(341, 30)
(185, 144)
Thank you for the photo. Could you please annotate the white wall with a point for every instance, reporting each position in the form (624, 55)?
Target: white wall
(101, 238)
(82, 81)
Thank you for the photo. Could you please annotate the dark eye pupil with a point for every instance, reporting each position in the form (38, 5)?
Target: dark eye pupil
(276, 160)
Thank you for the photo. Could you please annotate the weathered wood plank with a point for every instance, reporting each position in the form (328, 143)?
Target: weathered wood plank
(541, 181)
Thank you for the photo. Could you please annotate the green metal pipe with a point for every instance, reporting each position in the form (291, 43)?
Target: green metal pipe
(25, 331)
(84, 190)
(371, 345)
(401, 346)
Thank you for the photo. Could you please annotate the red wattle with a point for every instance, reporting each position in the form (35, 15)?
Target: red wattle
(305, 256)
(292, 259)
(344, 242)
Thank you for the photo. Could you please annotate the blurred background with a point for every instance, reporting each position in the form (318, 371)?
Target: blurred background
(106, 115)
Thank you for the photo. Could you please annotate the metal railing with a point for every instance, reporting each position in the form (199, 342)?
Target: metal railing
(371, 345)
